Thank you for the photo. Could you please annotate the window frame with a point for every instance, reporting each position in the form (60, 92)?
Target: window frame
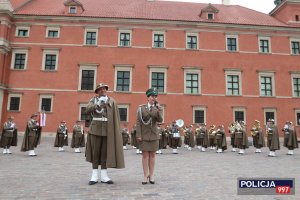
(269, 44)
(159, 70)
(164, 37)
(127, 68)
(239, 109)
(291, 46)
(81, 105)
(192, 71)
(52, 29)
(73, 8)
(50, 52)
(125, 32)
(297, 111)
(10, 95)
(18, 28)
(293, 87)
(87, 67)
(85, 36)
(13, 58)
(127, 112)
(267, 74)
(210, 14)
(233, 73)
(270, 110)
(46, 96)
(199, 108)
(197, 40)
(236, 37)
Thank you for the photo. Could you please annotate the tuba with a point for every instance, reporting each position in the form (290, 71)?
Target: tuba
(212, 130)
(179, 122)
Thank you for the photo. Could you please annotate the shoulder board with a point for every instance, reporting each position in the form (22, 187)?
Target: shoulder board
(142, 105)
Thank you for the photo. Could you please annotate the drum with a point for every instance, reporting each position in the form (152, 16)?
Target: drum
(176, 135)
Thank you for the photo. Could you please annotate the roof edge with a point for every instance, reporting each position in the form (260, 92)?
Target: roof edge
(23, 5)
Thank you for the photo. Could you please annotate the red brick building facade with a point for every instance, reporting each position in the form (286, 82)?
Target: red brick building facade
(211, 63)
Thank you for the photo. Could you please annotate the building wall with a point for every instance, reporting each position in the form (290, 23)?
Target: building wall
(211, 59)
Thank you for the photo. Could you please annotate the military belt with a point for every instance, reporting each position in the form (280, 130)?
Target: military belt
(102, 119)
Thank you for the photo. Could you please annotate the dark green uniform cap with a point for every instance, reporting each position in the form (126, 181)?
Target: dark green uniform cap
(152, 91)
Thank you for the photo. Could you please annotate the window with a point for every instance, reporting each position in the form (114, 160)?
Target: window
(19, 59)
(82, 112)
(123, 79)
(298, 117)
(46, 103)
(199, 115)
(125, 38)
(123, 111)
(270, 113)
(192, 80)
(158, 78)
(192, 41)
(267, 85)
(296, 18)
(210, 16)
(87, 77)
(14, 102)
(91, 37)
(159, 39)
(295, 47)
(264, 45)
(22, 31)
(231, 43)
(239, 114)
(72, 10)
(233, 82)
(50, 60)
(296, 85)
(123, 74)
(52, 32)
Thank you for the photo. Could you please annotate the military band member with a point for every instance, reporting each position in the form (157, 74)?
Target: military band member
(9, 135)
(211, 137)
(241, 138)
(165, 134)
(104, 140)
(78, 139)
(160, 141)
(32, 136)
(220, 138)
(232, 136)
(272, 137)
(174, 137)
(258, 137)
(185, 137)
(61, 138)
(191, 137)
(146, 131)
(290, 137)
(201, 137)
(125, 137)
(134, 142)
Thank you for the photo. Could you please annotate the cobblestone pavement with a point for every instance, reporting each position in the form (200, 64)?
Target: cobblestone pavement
(187, 175)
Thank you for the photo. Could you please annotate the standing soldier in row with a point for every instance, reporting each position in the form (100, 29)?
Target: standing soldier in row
(201, 137)
(78, 139)
(272, 137)
(191, 137)
(9, 135)
(211, 137)
(160, 141)
(232, 136)
(32, 136)
(104, 140)
(220, 138)
(174, 137)
(290, 137)
(241, 138)
(125, 137)
(61, 138)
(134, 142)
(258, 136)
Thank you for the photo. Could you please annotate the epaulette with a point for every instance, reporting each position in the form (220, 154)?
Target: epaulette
(142, 105)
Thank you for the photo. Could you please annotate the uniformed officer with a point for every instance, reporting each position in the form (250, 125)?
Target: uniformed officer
(272, 137)
(290, 137)
(125, 137)
(78, 139)
(9, 135)
(148, 116)
(104, 140)
(258, 136)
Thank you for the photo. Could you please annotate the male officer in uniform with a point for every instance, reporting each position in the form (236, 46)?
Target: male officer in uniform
(290, 137)
(104, 140)
(61, 138)
(272, 137)
(78, 139)
(9, 135)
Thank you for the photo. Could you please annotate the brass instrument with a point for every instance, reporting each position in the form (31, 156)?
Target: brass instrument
(231, 128)
(255, 127)
(212, 131)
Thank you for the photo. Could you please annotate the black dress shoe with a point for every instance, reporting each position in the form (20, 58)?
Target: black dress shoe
(93, 182)
(108, 182)
(152, 182)
(144, 183)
